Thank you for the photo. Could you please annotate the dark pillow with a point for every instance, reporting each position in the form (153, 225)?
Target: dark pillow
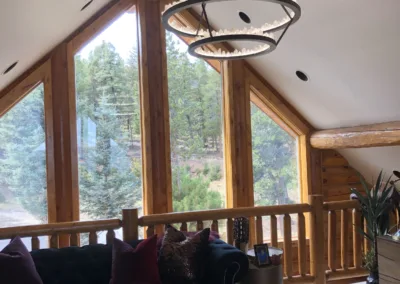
(213, 236)
(182, 261)
(16, 265)
(135, 266)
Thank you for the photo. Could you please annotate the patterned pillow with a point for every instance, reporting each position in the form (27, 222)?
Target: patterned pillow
(181, 258)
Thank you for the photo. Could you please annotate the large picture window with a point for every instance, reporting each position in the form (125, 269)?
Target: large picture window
(23, 181)
(275, 166)
(108, 122)
(195, 99)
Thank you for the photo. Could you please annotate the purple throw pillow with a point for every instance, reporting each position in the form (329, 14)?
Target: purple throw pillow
(135, 266)
(16, 264)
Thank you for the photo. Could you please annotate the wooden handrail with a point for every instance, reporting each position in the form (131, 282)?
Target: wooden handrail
(340, 205)
(219, 214)
(60, 228)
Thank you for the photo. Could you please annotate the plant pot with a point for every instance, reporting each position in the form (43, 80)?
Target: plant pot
(373, 278)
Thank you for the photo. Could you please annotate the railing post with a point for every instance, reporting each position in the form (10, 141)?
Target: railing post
(130, 224)
(317, 240)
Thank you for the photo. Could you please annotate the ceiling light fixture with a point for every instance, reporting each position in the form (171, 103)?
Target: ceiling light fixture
(261, 36)
(86, 5)
(9, 68)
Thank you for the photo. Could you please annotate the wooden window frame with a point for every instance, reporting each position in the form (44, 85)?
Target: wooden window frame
(11, 97)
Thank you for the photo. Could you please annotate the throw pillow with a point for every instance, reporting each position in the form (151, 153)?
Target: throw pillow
(182, 261)
(16, 264)
(135, 266)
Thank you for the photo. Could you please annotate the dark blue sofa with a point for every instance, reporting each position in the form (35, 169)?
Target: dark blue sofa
(92, 264)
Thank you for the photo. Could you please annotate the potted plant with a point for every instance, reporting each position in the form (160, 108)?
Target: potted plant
(376, 206)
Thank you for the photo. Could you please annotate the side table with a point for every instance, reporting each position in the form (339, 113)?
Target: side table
(271, 274)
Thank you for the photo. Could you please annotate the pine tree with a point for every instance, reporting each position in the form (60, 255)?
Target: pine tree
(23, 155)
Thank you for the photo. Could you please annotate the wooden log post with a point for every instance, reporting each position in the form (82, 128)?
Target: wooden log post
(130, 224)
(65, 158)
(157, 188)
(374, 135)
(274, 231)
(237, 135)
(317, 250)
(287, 245)
(357, 255)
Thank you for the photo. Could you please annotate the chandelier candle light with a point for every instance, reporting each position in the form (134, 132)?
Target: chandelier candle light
(262, 36)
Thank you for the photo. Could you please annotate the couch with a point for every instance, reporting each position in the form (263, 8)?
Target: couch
(91, 264)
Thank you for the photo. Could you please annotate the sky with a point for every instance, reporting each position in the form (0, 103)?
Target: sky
(122, 33)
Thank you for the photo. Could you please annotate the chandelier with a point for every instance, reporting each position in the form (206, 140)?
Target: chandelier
(261, 37)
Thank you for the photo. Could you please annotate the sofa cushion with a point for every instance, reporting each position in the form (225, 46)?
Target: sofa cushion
(16, 265)
(78, 265)
(182, 261)
(130, 266)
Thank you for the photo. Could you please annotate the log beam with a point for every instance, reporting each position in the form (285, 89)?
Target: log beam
(374, 135)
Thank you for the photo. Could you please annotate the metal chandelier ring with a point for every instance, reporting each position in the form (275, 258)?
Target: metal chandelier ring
(175, 9)
(195, 48)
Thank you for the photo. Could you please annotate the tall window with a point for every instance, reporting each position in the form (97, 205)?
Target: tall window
(23, 183)
(275, 166)
(195, 108)
(108, 122)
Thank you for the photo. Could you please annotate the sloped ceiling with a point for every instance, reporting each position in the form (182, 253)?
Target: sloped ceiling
(349, 49)
(29, 29)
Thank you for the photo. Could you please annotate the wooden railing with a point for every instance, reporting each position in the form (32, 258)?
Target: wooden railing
(55, 230)
(321, 267)
(256, 214)
(350, 222)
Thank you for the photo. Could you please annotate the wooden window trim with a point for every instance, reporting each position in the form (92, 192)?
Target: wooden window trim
(10, 98)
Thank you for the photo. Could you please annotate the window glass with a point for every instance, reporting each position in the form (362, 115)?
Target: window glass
(275, 167)
(108, 122)
(195, 108)
(23, 182)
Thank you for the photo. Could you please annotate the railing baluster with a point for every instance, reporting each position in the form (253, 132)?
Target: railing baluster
(199, 225)
(35, 242)
(184, 227)
(357, 238)
(73, 239)
(110, 236)
(332, 240)
(54, 241)
(229, 230)
(259, 230)
(302, 247)
(345, 239)
(287, 233)
(274, 231)
(150, 231)
(214, 226)
(92, 238)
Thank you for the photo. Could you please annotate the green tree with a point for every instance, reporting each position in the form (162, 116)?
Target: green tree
(23, 156)
(274, 160)
(109, 180)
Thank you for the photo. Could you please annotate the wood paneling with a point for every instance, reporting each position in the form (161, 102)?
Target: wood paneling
(374, 135)
(157, 194)
(389, 259)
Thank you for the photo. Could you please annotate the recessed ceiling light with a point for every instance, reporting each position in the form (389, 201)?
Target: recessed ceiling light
(302, 76)
(243, 16)
(9, 68)
(86, 5)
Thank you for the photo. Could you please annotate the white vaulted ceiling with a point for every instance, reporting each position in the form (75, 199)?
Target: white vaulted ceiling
(349, 49)
(29, 29)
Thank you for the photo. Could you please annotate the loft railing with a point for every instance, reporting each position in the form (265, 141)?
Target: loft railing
(318, 270)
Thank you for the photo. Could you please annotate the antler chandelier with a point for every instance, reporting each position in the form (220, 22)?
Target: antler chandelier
(261, 37)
